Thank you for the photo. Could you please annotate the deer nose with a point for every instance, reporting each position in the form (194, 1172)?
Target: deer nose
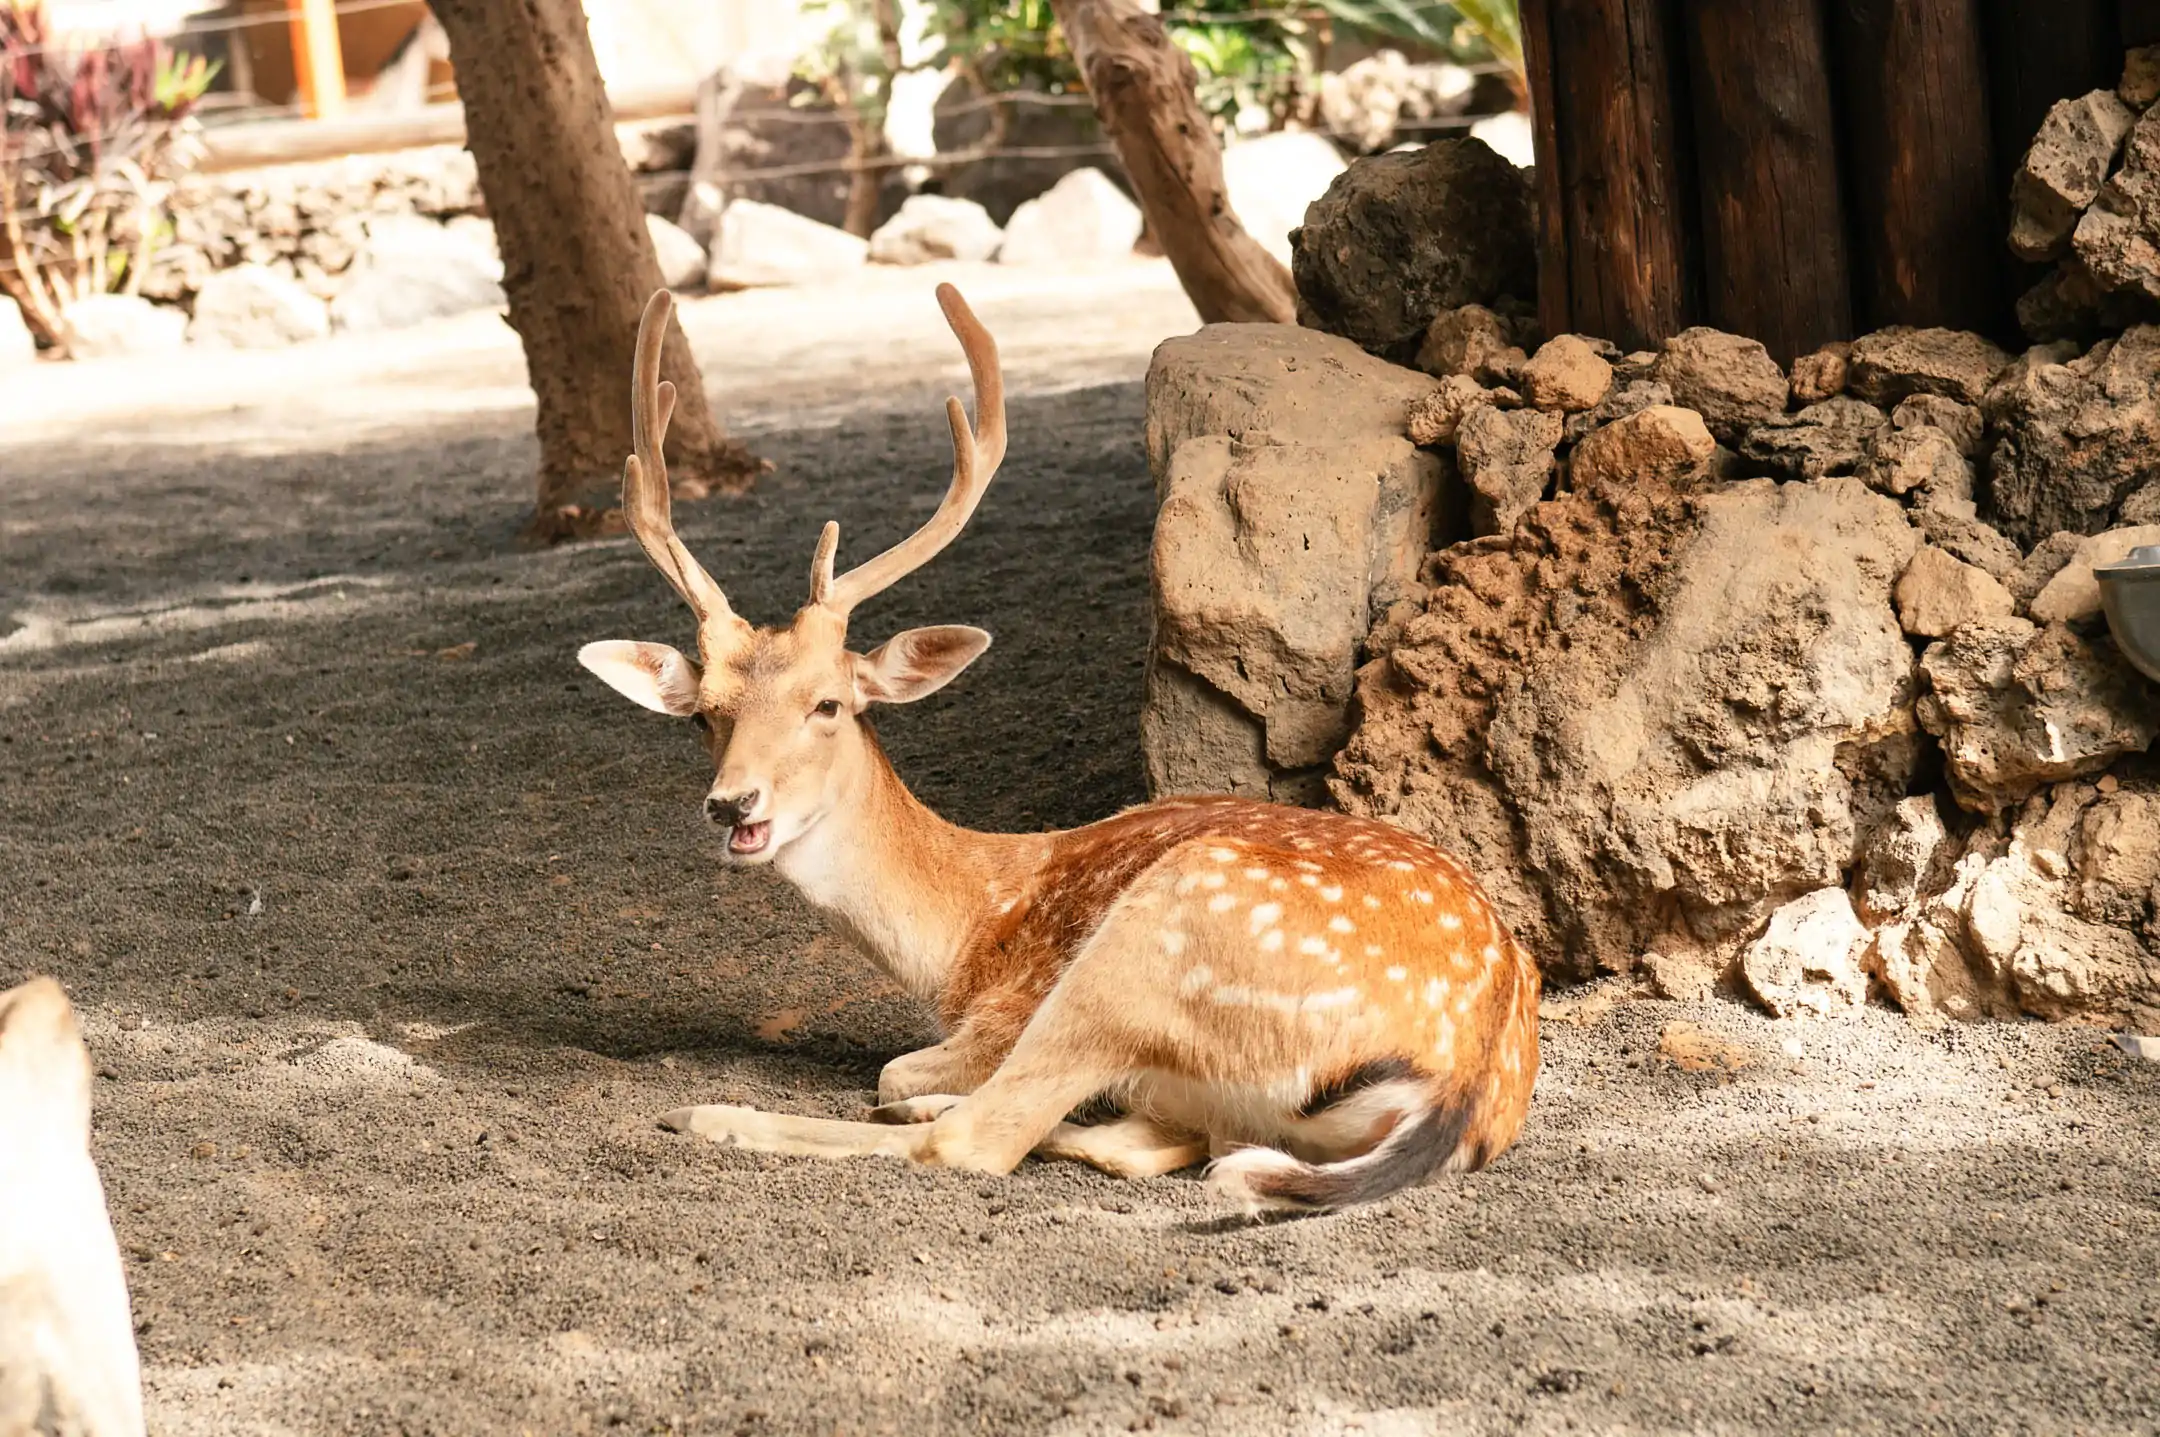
(732, 809)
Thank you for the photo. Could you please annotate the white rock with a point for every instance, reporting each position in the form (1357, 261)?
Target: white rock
(104, 325)
(1807, 959)
(682, 259)
(935, 227)
(1082, 217)
(1273, 179)
(2073, 595)
(1509, 136)
(18, 346)
(412, 270)
(760, 244)
(254, 307)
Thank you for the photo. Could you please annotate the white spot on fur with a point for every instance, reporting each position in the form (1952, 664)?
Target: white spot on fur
(1420, 895)
(1400, 866)
(1308, 880)
(1372, 950)
(1332, 893)
(1173, 942)
(1435, 992)
(1341, 924)
(1492, 954)
(1187, 884)
(1332, 998)
(1222, 903)
(1212, 880)
(1372, 900)
(1264, 914)
(1271, 941)
(1011, 903)
(1313, 947)
(1196, 978)
(1221, 855)
(1256, 874)
(1397, 974)
(1451, 921)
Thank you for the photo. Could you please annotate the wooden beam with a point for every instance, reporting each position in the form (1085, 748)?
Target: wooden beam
(2041, 51)
(1775, 263)
(286, 142)
(318, 59)
(1616, 168)
(1928, 199)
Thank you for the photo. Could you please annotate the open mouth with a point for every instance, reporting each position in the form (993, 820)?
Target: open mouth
(749, 838)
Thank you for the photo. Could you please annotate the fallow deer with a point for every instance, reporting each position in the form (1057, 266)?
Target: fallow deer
(1328, 1007)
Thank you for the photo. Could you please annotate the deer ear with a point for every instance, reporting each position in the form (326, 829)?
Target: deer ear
(915, 663)
(650, 674)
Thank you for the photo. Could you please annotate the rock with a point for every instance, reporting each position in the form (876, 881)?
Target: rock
(758, 244)
(935, 227)
(1963, 423)
(1901, 461)
(1507, 460)
(2022, 932)
(682, 259)
(1613, 718)
(104, 326)
(252, 307)
(2063, 171)
(1566, 374)
(2073, 438)
(1274, 180)
(1398, 238)
(1833, 437)
(1503, 368)
(2016, 706)
(1364, 103)
(1663, 443)
(18, 346)
(1733, 383)
(1819, 376)
(1924, 971)
(1082, 218)
(1293, 512)
(1977, 543)
(412, 270)
(1679, 977)
(2118, 237)
(2072, 596)
(2140, 77)
(1807, 960)
(1624, 399)
(1435, 418)
(1896, 363)
(1901, 859)
(2142, 506)
(68, 1364)
(2116, 857)
(1463, 340)
(2042, 564)
(1937, 593)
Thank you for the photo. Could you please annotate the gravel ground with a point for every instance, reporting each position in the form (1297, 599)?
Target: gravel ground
(393, 932)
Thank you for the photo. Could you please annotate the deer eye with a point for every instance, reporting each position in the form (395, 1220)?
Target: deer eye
(829, 709)
(701, 721)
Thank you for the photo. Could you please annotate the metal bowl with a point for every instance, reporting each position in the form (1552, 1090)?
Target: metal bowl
(2130, 592)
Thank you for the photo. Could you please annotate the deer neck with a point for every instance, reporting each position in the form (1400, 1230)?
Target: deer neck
(905, 884)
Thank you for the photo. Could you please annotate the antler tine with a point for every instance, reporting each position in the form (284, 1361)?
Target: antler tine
(976, 456)
(645, 500)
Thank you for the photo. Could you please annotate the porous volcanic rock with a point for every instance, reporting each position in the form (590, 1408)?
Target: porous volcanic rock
(1400, 237)
(1732, 382)
(1896, 363)
(1650, 718)
(2063, 171)
(2076, 434)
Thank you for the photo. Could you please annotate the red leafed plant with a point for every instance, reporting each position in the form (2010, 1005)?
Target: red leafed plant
(92, 137)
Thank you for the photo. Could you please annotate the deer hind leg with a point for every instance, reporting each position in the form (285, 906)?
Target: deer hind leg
(792, 1136)
(1130, 1147)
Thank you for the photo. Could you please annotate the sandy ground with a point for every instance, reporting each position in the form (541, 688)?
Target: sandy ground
(394, 932)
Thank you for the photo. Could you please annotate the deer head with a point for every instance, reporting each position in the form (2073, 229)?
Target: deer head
(780, 709)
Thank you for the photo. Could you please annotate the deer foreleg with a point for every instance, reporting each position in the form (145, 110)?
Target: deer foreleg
(1131, 1147)
(793, 1136)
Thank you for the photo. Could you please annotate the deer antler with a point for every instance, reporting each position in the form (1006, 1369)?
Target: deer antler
(975, 461)
(645, 500)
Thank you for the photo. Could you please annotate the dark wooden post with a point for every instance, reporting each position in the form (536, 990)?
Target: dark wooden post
(1920, 165)
(2041, 51)
(2140, 22)
(1775, 263)
(1619, 250)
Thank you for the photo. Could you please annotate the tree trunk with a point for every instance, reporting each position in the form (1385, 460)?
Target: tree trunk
(1618, 246)
(578, 263)
(1926, 194)
(1145, 94)
(1774, 257)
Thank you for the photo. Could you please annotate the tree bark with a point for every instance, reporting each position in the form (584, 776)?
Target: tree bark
(578, 263)
(1775, 265)
(1619, 254)
(1145, 94)
(1925, 190)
